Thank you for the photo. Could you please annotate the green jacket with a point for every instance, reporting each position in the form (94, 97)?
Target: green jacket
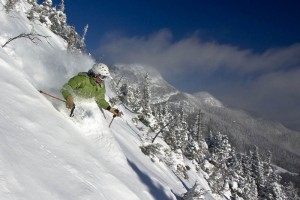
(86, 87)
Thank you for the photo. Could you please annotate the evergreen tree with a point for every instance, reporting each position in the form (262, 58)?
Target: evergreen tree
(291, 191)
(73, 39)
(166, 113)
(136, 103)
(247, 184)
(32, 2)
(219, 148)
(123, 92)
(258, 174)
(59, 24)
(45, 13)
(61, 6)
(146, 117)
(165, 120)
(146, 95)
(273, 187)
(197, 148)
(217, 180)
(192, 149)
(198, 129)
(249, 189)
(234, 172)
(56, 21)
(177, 136)
(181, 130)
(130, 99)
(47, 4)
(194, 193)
(34, 12)
(170, 136)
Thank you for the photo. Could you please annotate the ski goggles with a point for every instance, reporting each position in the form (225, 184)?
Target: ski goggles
(101, 76)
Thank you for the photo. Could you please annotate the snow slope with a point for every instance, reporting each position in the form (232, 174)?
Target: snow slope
(44, 154)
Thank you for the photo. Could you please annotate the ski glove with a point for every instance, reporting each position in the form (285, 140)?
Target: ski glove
(114, 111)
(70, 102)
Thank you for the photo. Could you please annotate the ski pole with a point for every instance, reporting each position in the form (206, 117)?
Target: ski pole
(51, 96)
(112, 120)
(72, 110)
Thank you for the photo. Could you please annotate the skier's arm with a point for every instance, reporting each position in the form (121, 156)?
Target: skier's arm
(100, 100)
(68, 88)
(105, 105)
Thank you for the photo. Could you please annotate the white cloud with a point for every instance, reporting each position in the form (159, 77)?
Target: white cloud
(161, 51)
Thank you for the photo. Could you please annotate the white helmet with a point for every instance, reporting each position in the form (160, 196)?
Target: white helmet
(102, 69)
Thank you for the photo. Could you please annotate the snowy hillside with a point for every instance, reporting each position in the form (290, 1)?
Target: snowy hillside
(44, 154)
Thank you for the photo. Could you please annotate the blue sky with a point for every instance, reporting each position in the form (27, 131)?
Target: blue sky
(245, 53)
(256, 25)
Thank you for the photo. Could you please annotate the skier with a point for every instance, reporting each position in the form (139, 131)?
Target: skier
(89, 85)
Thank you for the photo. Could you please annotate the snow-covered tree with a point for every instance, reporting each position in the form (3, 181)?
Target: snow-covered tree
(249, 189)
(170, 136)
(247, 185)
(32, 2)
(195, 193)
(146, 95)
(291, 191)
(177, 136)
(33, 13)
(217, 180)
(61, 6)
(234, 172)
(46, 11)
(73, 39)
(59, 23)
(196, 147)
(257, 172)
(56, 20)
(199, 127)
(47, 4)
(146, 116)
(219, 153)
(166, 114)
(10, 5)
(273, 187)
(136, 101)
(219, 148)
(181, 130)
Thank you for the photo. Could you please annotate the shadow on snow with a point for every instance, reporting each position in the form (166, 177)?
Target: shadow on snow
(156, 190)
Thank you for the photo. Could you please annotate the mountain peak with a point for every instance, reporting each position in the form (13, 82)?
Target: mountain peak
(208, 99)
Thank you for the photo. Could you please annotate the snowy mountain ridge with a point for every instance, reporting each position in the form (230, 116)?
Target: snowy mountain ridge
(162, 90)
(244, 131)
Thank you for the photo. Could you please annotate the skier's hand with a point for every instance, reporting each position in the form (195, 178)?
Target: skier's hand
(70, 102)
(115, 112)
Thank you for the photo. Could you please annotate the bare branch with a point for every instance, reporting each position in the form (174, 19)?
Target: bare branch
(34, 37)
